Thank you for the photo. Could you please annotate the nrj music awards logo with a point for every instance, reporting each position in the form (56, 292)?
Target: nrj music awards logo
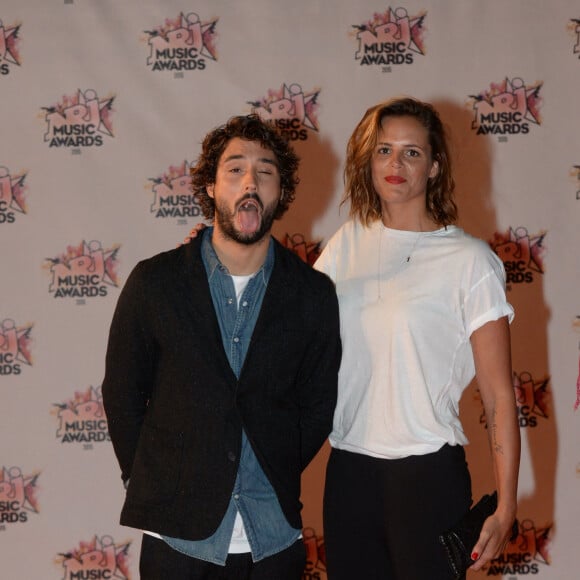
(84, 271)
(521, 254)
(507, 108)
(315, 555)
(531, 398)
(100, 558)
(12, 195)
(82, 419)
(392, 37)
(80, 120)
(172, 194)
(17, 496)
(308, 251)
(15, 342)
(525, 554)
(9, 42)
(291, 109)
(183, 43)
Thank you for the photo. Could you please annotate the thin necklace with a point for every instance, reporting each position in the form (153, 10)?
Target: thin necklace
(403, 263)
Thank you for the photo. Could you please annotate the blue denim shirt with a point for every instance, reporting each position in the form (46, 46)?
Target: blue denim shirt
(253, 496)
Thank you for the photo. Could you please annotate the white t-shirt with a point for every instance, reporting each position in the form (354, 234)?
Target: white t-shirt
(409, 302)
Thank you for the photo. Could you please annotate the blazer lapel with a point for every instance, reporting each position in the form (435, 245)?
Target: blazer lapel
(195, 295)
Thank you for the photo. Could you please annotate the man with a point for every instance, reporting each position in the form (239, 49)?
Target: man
(221, 375)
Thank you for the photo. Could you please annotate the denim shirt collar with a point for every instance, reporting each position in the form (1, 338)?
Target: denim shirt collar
(212, 262)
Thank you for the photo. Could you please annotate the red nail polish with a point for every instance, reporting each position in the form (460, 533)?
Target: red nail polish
(474, 556)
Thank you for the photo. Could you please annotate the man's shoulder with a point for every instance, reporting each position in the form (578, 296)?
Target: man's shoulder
(169, 263)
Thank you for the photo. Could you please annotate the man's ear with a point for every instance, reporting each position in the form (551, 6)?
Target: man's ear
(210, 188)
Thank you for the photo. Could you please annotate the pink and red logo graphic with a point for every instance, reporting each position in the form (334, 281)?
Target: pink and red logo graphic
(507, 108)
(84, 271)
(15, 343)
(525, 554)
(17, 496)
(531, 398)
(291, 109)
(9, 49)
(308, 251)
(82, 419)
(390, 38)
(521, 254)
(99, 558)
(172, 194)
(182, 43)
(80, 120)
(12, 195)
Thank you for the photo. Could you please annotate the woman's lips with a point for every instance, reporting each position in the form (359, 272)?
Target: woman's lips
(395, 179)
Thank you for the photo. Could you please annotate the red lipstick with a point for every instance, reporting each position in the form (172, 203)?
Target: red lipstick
(395, 179)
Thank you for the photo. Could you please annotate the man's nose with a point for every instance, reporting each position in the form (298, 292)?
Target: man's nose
(250, 181)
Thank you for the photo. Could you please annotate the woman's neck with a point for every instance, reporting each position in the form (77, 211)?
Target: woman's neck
(411, 223)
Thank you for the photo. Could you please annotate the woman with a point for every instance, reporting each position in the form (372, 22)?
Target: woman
(423, 310)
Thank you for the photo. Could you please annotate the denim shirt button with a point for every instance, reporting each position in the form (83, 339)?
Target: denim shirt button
(231, 456)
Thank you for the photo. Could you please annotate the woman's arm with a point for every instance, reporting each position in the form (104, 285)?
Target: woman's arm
(492, 355)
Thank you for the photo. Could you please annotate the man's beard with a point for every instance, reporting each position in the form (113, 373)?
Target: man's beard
(226, 220)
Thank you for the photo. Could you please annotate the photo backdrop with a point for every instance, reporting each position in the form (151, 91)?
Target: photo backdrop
(103, 107)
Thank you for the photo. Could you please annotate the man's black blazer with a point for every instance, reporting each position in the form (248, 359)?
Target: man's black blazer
(175, 409)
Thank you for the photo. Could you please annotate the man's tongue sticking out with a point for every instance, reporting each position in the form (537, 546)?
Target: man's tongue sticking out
(249, 214)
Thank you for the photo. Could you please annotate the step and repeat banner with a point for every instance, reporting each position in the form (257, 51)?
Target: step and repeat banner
(103, 106)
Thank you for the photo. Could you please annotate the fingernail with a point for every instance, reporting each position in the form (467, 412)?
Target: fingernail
(474, 556)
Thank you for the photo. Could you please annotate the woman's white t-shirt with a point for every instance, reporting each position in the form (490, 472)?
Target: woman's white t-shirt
(409, 302)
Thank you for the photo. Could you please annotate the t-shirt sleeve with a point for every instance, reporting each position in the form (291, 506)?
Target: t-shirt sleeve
(485, 298)
(326, 262)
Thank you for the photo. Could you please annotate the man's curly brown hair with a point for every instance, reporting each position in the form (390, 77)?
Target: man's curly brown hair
(251, 128)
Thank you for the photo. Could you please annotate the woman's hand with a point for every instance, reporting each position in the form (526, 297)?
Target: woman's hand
(493, 539)
(193, 233)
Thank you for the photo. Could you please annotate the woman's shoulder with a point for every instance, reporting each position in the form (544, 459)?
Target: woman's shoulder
(466, 241)
(351, 231)
(474, 251)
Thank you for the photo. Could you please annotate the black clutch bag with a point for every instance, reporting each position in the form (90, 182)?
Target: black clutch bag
(459, 540)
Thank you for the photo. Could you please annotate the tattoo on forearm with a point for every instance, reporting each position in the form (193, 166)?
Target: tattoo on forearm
(493, 431)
